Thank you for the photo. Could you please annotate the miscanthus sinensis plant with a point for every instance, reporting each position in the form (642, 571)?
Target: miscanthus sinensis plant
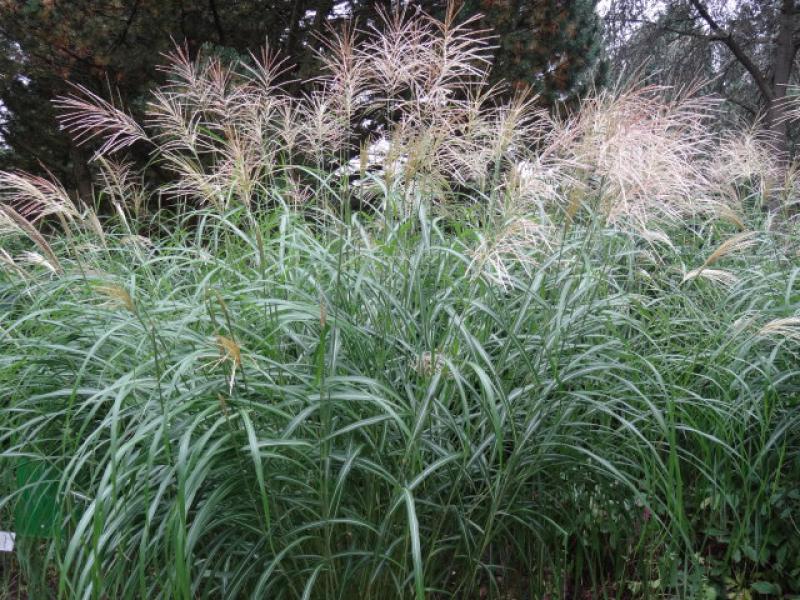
(558, 357)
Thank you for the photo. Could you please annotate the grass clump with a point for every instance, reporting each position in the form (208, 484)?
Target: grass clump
(555, 374)
(355, 412)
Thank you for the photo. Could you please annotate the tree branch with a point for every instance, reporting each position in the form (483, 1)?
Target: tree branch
(696, 34)
(217, 22)
(126, 28)
(720, 35)
(741, 104)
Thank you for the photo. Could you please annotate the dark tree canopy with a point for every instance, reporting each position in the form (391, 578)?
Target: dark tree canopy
(113, 47)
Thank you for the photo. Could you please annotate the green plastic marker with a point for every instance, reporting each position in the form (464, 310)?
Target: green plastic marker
(35, 510)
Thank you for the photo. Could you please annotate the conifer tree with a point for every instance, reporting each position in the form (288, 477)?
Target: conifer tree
(554, 46)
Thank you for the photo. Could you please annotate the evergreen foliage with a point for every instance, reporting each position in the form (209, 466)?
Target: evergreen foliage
(554, 46)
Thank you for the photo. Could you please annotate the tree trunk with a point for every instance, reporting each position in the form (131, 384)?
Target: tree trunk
(773, 89)
(775, 123)
(81, 173)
